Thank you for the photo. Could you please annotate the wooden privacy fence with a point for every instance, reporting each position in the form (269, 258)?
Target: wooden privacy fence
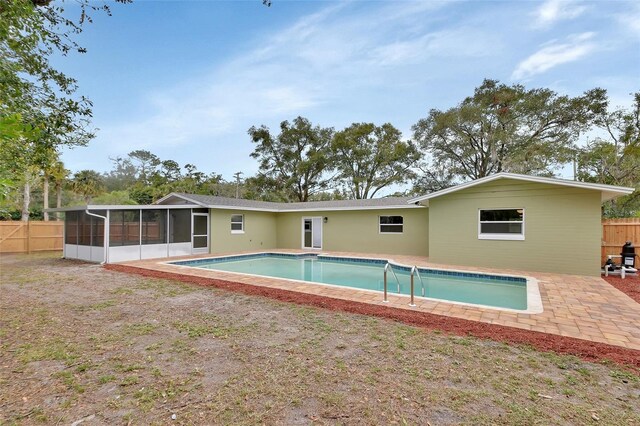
(615, 232)
(27, 237)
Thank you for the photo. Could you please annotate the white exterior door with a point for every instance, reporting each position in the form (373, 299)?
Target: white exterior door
(199, 233)
(312, 232)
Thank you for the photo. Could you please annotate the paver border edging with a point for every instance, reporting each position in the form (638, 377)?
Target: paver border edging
(585, 349)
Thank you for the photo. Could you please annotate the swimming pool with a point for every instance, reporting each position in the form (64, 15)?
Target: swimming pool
(464, 287)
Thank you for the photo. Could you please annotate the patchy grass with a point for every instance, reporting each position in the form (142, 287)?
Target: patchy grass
(47, 350)
(136, 350)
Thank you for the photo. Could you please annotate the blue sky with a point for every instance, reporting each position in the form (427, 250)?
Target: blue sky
(186, 79)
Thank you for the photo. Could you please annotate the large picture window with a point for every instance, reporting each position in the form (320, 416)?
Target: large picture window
(501, 224)
(391, 224)
(237, 223)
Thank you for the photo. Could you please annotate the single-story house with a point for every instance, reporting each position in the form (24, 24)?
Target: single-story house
(500, 221)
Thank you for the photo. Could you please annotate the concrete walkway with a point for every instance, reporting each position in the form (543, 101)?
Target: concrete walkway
(574, 306)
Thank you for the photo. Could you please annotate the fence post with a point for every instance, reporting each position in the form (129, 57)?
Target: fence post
(28, 237)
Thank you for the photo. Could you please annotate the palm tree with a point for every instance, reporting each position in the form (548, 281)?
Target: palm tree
(87, 183)
(58, 175)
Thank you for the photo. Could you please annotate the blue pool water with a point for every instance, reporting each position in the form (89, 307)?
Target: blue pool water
(480, 289)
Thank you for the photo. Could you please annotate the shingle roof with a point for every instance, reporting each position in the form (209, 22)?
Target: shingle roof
(224, 202)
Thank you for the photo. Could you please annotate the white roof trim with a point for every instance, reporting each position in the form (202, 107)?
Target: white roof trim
(121, 207)
(608, 191)
(180, 196)
(223, 207)
(319, 209)
(283, 210)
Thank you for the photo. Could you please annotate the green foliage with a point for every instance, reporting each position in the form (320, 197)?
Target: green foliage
(114, 198)
(145, 164)
(30, 88)
(39, 109)
(507, 129)
(614, 158)
(87, 183)
(35, 213)
(296, 163)
(147, 178)
(121, 176)
(370, 158)
(141, 194)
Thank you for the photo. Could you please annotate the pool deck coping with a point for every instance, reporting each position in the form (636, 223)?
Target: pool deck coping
(576, 306)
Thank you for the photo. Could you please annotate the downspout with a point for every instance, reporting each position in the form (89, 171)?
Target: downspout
(105, 234)
(64, 234)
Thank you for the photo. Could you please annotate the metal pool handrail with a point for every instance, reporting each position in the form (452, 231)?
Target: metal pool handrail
(414, 271)
(420, 278)
(388, 267)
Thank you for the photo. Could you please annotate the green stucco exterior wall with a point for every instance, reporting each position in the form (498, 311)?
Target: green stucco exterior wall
(358, 231)
(259, 231)
(562, 228)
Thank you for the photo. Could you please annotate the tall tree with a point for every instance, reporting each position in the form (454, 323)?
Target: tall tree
(32, 91)
(296, 163)
(59, 175)
(121, 176)
(370, 158)
(48, 167)
(614, 156)
(146, 164)
(508, 128)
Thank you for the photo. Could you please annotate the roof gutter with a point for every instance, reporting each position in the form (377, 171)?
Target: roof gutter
(105, 238)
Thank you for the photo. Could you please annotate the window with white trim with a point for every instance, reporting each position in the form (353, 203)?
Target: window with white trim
(391, 224)
(501, 224)
(237, 224)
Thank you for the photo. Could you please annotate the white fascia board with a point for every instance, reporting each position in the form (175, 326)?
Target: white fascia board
(253, 209)
(608, 191)
(318, 209)
(182, 197)
(333, 209)
(121, 207)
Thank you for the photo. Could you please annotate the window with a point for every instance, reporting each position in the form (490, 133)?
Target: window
(391, 224)
(237, 224)
(501, 224)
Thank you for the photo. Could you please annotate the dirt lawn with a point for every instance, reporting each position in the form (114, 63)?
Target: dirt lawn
(78, 342)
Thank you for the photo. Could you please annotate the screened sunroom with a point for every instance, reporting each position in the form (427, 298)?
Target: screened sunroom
(120, 233)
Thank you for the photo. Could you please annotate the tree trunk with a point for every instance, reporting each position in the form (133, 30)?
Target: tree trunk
(45, 194)
(26, 199)
(58, 196)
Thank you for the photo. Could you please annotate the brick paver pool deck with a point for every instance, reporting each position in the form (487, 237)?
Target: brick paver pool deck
(574, 306)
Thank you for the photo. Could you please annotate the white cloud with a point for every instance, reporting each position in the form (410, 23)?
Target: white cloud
(316, 60)
(459, 42)
(554, 54)
(631, 19)
(552, 11)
